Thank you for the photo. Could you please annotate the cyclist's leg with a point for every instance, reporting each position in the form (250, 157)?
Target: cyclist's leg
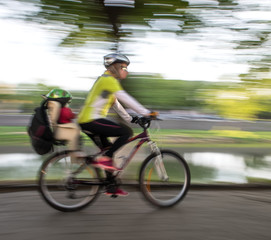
(123, 133)
(100, 141)
(106, 128)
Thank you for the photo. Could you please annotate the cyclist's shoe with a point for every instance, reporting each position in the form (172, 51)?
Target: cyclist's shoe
(104, 162)
(117, 192)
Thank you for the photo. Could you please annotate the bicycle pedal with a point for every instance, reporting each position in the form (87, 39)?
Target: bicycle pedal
(114, 196)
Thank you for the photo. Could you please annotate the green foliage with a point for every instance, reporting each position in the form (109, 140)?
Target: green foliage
(26, 97)
(250, 99)
(92, 21)
(89, 21)
(158, 93)
(247, 100)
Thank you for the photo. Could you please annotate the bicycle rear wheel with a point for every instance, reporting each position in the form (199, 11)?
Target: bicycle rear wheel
(164, 179)
(59, 185)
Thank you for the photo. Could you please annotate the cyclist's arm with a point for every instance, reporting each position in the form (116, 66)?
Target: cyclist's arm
(131, 103)
(121, 111)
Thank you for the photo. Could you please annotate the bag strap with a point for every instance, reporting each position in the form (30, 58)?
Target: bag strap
(43, 104)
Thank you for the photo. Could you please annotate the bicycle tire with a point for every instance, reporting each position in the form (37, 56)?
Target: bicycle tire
(169, 192)
(56, 187)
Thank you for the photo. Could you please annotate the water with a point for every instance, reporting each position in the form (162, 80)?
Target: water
(19, 166)
(228, 168)
(206, 167)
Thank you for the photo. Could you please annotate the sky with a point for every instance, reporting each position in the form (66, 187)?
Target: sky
(29, 53)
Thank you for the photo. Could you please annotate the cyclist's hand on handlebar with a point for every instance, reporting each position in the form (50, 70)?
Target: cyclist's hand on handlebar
(142, 121)
(135, 119)
(145, 119)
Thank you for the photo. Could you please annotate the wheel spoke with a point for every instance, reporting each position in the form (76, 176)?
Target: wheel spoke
(165, 182)
(58, 185)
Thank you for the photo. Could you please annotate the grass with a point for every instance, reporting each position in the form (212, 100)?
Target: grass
(17, 136)
(13, 136)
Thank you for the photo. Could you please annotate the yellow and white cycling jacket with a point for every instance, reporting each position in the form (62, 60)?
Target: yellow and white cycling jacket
(106, 93)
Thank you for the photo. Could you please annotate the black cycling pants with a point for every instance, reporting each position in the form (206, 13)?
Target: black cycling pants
(100, 129)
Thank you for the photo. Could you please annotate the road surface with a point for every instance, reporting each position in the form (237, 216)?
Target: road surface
(208, 215)
(180, 123)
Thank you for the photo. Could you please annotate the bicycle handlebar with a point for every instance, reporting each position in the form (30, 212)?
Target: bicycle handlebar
(145, 122)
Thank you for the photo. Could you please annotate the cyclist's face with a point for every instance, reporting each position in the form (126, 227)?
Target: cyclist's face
(123, 72)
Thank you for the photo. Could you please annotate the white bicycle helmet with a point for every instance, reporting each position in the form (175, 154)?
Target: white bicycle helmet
(111, 58)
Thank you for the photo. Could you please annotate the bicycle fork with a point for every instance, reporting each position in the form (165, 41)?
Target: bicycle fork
(158, 162)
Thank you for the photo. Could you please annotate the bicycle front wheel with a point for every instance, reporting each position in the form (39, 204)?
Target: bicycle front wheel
(60, 179)
(164, 179)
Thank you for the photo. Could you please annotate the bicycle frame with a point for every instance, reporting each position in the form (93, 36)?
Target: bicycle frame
(159, 165)
(144, 136)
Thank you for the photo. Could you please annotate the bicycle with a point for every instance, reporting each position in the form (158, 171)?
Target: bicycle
(68, 185)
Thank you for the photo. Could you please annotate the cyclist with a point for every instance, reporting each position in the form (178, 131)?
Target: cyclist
(60, 118)
(107, 92)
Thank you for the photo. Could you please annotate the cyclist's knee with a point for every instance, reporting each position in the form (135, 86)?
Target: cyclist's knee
(127, 131)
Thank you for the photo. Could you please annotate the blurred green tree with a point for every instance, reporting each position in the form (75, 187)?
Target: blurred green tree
(87, 21)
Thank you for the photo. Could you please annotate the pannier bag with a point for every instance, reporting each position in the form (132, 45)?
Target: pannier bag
(39, 131)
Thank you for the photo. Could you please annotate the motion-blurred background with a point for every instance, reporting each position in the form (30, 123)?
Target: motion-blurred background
(204, 64)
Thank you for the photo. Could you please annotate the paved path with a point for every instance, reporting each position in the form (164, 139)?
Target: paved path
(210, 215)
(182, 123)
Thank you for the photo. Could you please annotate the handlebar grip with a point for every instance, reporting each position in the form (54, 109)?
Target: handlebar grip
(144, 122)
